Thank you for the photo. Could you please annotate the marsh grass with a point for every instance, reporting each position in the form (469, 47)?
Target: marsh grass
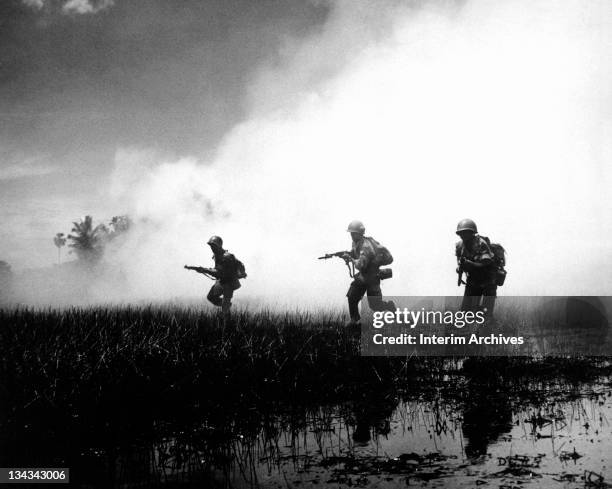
(80, 383)
(76, 359)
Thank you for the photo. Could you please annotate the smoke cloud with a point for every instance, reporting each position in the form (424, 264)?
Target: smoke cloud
(72, 6)
(409, 117)
(86, 6)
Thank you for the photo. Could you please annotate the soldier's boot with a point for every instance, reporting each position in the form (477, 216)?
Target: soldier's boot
(377, 303)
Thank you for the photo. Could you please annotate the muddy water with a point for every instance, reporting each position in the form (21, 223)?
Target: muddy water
(490, 440)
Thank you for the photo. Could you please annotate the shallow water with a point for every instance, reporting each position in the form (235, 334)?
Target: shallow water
(490, 438)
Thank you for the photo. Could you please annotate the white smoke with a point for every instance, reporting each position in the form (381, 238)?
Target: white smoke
(86, 6)
(72, 6)
(497, 111)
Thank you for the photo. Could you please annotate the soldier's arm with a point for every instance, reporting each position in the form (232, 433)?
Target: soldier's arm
(483, 259)
(348, 256)
(472, 265)
(365, 256)
(486, 256)
(458, 251)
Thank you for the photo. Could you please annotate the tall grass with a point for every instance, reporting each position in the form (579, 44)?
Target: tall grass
(78, 382)
(78, 358)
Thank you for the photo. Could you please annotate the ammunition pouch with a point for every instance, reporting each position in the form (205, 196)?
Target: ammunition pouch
(385, 273)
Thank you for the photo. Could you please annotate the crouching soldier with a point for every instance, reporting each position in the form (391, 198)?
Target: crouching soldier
(476, 259)
(366, 256)
(227, 270)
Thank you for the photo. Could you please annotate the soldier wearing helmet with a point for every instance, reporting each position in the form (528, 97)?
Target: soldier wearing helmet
(227, 270)
(222, 291)
(362, 256)
(474, 256)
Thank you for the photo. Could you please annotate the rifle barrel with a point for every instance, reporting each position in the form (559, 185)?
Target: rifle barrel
(338, 254)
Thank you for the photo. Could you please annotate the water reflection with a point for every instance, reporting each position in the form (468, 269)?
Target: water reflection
(483, 430)
(372, 415)
(486, 410)
(463, 425)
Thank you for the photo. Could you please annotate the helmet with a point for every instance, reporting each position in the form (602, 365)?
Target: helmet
(216, 240)
(356, 227)
(467, 225)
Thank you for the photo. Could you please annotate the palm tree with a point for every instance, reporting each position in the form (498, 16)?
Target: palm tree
(88, 241)
(59, 240)
(119, 225)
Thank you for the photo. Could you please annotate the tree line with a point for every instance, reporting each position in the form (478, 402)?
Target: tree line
(88, 241)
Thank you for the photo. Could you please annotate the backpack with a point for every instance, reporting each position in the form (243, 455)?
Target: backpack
(499, 259)
(237, 269)
(240, 270)
(382, 256)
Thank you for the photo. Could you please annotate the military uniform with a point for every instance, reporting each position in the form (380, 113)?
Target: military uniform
(480, 282)
(222, 291)
(366, 281)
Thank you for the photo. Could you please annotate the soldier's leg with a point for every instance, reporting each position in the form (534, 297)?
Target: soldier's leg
(375, 299)
(215, 293)
(228, 293)
(488, 300)
(354, 295)
(471, 296)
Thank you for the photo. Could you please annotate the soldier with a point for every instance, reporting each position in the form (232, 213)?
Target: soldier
(474, 256)
(226, 272)
(362, 256)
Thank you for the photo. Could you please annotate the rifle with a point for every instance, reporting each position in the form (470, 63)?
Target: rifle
(347, 261)
(460, 271)
(208, 272)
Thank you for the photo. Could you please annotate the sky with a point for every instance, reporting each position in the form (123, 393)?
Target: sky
(276, 123)
(80, 79)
